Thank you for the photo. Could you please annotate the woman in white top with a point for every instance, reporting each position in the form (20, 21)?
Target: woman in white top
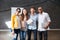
(24, 18)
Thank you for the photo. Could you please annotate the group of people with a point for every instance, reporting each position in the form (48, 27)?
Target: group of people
(25, 23)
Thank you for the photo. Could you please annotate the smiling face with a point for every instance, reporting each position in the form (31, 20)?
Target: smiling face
(24, 11)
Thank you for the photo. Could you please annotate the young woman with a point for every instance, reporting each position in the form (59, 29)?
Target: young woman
(24, 18)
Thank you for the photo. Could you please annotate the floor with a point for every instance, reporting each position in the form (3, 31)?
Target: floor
(52, 35)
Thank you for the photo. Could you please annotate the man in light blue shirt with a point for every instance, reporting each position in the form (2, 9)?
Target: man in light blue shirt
(32, 26)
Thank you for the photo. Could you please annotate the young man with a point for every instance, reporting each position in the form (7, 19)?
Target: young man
(15, 23)
(32, 26)
(43, 23)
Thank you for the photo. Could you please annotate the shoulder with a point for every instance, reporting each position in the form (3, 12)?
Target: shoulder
(13, 15)
(36, 14)
(45, 13)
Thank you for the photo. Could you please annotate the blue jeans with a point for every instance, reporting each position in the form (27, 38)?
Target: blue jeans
(17, 31)
(22, 35)
(29, 34)
(45, 35)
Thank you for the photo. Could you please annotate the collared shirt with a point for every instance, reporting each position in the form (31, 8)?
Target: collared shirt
(32, 26)
(42, 20)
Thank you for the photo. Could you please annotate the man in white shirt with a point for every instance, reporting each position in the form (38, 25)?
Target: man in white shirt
(43, 23)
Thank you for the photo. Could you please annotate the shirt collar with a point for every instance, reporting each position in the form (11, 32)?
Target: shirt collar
(34, 14)
(42, 13)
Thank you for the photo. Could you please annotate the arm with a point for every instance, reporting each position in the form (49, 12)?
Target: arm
(47, 25)
(48, 21)
(12, 22)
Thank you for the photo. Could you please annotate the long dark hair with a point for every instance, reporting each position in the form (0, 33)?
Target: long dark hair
(26, 14)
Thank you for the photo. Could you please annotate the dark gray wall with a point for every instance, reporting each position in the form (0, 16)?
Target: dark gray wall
(50, 6)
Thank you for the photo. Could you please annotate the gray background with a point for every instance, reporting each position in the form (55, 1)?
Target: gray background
(50, 6)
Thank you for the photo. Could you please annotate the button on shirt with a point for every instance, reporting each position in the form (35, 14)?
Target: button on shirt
(33, 25)
(42, 20)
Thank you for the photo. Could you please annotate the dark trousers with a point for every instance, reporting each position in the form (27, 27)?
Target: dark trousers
(29, 34)
(17, 31)
(44, 34)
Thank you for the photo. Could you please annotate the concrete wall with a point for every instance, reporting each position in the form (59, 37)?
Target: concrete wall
(50, 6)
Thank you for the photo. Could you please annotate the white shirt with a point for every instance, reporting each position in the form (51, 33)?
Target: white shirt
(42, 20)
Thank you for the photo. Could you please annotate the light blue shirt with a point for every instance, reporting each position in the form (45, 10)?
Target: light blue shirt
(33, 25)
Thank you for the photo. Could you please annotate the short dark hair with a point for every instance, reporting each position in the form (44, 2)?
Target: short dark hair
(33, 7)
(18, 9)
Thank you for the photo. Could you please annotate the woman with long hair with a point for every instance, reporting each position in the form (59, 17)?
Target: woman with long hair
(24, 18)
